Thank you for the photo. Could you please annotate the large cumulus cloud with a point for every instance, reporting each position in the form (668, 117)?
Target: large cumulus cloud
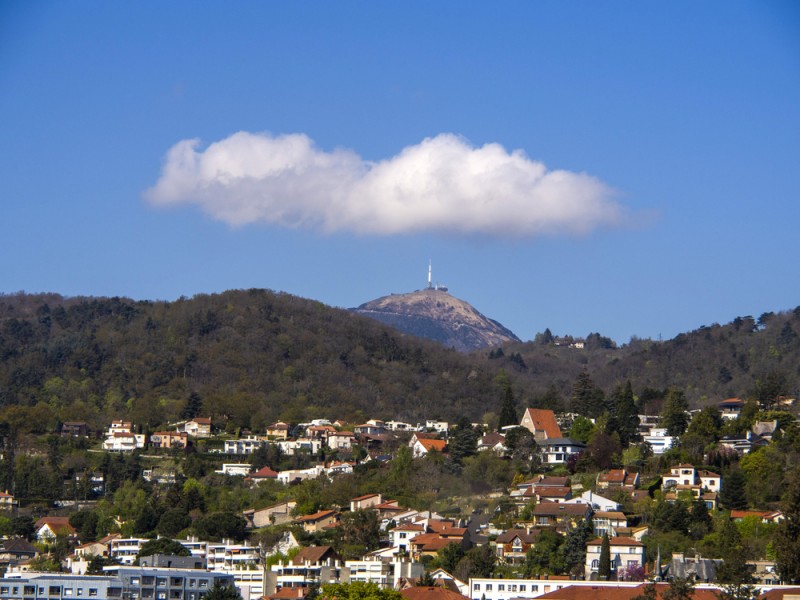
(442, 184)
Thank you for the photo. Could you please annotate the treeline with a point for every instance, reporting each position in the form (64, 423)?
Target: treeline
(251, 357)
(750, 357)
(247, 358)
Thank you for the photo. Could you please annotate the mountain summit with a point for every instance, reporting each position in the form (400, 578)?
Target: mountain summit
(435, 314)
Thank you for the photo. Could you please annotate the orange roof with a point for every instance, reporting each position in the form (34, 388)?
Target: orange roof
(614, 475)
(202, 420)
(544, 420)
(437, 445)
(613, 592)
(364, 497)
(317, 516)
(55, 524)
(435, 592)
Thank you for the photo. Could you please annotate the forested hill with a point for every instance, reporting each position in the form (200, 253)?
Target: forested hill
(251, 357)
(748, 357)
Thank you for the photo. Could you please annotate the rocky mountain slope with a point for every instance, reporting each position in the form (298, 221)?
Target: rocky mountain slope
(437, 315)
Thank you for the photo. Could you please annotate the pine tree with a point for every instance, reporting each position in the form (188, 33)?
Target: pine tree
(674, 416)
(732, 495)
(625, 415)
(587, 399)
(734, 566)
(787, 542)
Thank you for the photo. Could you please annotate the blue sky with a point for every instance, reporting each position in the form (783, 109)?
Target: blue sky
(629, 168)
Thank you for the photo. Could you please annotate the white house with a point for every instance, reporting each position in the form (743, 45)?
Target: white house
(658, 440)
(596, 501)
(245, 445)
(121, 441)
(556, 451)
(199, 427)
(235, 469)
(341, 440)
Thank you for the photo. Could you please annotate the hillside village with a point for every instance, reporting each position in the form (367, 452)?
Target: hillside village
(521, 510)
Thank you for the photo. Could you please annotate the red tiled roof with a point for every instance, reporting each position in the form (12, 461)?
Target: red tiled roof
(780, 594)
(613, 476)
(264, 473)
(435, 592)
(317, 516)
(364, 497)
(613, 592)
(290, 593)
(437, 445)
(201, 420)
(545, 420)
(552, 492)
(55, 523)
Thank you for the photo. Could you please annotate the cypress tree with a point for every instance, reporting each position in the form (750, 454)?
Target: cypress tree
(787, 542)
(604, 568)
(508, 411)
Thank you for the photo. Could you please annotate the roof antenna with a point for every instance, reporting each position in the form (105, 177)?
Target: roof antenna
(430, 264)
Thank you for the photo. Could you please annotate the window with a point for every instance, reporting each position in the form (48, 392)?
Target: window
(596, 564)
(522, 587)
(476, 586)
(68, 591)
(93, 591)
(488, 587)
(501, 587)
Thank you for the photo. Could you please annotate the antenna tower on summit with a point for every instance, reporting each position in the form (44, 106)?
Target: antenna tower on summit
(430, 264)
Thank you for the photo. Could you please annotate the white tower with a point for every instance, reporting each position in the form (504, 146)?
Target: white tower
(429, 273)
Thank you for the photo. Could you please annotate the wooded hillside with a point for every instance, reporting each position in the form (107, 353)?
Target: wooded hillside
(251, 357)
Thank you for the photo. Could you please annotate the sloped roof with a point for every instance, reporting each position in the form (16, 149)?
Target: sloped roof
(313, 554)
(18, 545)
(544, 420)
(264, 473)
(613, 476)
(435, 592)
(551, 492)
(528, 538)
(780, 593)
(613, 592)
(436, 445)
(55, 523)
(317, 516)
(288, 593)
(555, 508)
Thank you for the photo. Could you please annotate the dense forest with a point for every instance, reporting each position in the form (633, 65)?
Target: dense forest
(251, 357)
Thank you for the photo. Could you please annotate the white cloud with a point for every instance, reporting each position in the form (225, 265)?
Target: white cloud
(442, 184)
